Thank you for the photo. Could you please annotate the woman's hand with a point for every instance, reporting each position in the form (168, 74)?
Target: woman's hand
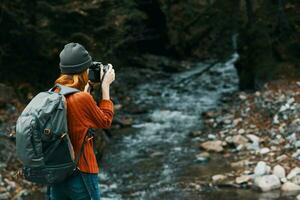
(108, 78)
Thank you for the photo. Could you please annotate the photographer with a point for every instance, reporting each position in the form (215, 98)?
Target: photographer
(82, 114)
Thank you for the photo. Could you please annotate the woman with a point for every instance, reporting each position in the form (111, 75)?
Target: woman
(82, 114)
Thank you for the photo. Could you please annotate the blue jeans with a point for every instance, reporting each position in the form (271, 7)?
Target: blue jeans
(82, 186)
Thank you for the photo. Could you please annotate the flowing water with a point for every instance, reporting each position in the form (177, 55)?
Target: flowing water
(156, 159)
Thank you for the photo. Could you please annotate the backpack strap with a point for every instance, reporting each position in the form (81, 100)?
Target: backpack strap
(64, 90)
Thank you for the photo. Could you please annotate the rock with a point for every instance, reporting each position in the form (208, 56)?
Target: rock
(297, 144)
(239, 140)
(253, 138)
(279, 171)
(296, 180)
(21, 194)
(282, 158)
(290, 187)
(261, 169)
(275, 120)
(241, 131)
(243, 179)
(242, 96)
(237, 121)
(11, 184)
(283, 180)
(156, 154)
(203, 157)
(211, 137)
(196, 133)
(218, 178)
(5, 196)
(2, 189)
(267, 182)
(264, 151)
(296, 155)
(215, 146)
(240, 163)
(294, 172)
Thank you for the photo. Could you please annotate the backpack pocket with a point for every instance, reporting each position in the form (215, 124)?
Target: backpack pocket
(28, 142)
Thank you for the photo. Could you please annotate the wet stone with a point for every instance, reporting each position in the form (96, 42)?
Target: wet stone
(203, 157)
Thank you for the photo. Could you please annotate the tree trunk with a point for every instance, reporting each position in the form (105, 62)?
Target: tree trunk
(250, 13)
(283, 25)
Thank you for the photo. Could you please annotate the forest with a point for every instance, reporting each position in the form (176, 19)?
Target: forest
(223, 73)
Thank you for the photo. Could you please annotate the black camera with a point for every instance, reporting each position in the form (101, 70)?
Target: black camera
(94, 71)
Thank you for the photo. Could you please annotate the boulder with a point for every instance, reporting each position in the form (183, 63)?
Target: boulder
(267, 182)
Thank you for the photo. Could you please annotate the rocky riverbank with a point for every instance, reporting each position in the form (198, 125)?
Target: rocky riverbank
(258, 134)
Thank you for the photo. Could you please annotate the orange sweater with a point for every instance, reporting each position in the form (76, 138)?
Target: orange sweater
(82, 114)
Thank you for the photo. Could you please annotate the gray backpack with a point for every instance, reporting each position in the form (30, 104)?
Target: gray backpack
(43, 143)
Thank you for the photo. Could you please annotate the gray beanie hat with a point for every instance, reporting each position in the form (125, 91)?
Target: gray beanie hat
(74, 59)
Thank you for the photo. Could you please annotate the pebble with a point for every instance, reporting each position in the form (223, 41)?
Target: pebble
(279, 171)
(253, 138)
(294, 172)
(289, 187)
(212, 136)
(297, 144)
(218, 178)
(239, 140)
(296, 180)
(243, 179)
(275, 120)
(11, 184)
(264, 151)
(240, 163)
(4, 196)
(261, 169)
(242, 96)
(196, 133)
(21, 194)
(215, 146)
(241, 131)
(203, 157)
(296, 155)
(267, 182)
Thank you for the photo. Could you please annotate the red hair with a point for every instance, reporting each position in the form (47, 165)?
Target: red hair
(77, 81)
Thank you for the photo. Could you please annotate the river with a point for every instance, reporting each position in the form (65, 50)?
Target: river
(156, 159)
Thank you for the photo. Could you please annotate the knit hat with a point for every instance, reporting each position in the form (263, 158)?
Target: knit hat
(74, 59)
